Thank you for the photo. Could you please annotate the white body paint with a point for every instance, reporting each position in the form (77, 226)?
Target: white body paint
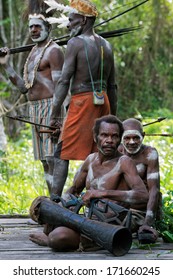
(140, 167)
(49, 178)
(153, 176)
(99, 183)
(152, 155)
(150, 213)
(129, 198)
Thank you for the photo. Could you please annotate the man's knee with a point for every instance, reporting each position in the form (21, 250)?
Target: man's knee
(45, 165)
(50, 164)
(63, 238)
(57, 241)
(58, 150)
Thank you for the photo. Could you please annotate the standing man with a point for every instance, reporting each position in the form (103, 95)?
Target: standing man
(89, 70)
(42, 70)
(101, 174)
(147, 163)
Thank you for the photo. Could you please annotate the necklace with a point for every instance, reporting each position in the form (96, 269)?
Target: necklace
(29, 84)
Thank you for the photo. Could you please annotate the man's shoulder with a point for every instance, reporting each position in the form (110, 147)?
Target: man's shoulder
(151, 153)
(74, 40)
(74, 45)
(54, 52)
(124, 158)
(147, 149)
(54, 47)
(92, 156)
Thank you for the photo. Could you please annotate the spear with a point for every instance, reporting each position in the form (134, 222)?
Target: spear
(61, 43)
(126, 11)
(159, 134)
(108, 34)
(158, 120)
(33, 123)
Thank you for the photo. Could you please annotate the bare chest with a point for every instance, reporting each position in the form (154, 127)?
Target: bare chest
(102, 178)
(37, 62)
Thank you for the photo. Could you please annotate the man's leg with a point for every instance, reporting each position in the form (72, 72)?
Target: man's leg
(60, 239)
(47, 175)
(63, 238)
(59, 175)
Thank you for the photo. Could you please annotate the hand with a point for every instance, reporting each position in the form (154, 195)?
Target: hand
(55, 197)
(55, 135)
(90, 194)
(147, 228)
(55, 123)
(4, 56)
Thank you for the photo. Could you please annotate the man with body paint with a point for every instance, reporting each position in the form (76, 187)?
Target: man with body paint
(89, 65)
(106, 174)
(147, 162)
(42, 70)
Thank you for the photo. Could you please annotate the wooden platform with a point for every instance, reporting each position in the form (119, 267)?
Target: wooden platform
(15, 245)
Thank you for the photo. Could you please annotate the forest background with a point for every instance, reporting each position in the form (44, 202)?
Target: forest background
(144, 66)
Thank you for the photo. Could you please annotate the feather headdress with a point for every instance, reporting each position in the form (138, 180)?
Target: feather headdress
(62, 21)
(82, 7)
(53, 5)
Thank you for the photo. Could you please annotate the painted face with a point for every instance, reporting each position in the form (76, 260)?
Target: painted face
(132, 141)
(74, 25)
(38, 30)
(108, 138)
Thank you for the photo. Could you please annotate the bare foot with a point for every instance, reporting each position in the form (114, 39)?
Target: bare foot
(39, 238)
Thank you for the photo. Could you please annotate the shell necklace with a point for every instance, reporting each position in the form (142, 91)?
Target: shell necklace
(29, 84)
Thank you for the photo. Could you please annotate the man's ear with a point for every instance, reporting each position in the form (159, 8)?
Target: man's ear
(84, 20)
(95, 138)
(49, 28)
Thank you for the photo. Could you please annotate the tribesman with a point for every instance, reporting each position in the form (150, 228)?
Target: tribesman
(90, 71)
(42, 70)
(107, 176)
(147, 162)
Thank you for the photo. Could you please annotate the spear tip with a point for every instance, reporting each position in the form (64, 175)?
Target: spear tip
(161, 119)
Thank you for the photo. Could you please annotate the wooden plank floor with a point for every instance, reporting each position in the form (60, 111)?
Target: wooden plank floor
(15, 245)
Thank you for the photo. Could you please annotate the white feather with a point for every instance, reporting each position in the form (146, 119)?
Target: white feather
(59, 7)
(61, 21)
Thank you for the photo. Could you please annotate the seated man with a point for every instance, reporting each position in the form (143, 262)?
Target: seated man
(101, 174)
(147, 163)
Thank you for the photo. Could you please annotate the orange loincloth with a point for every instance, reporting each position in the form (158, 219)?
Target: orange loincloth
(77, 135)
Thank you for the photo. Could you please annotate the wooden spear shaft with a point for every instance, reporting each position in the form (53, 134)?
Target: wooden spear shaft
(61, 42)
(158, 120)
(22, 120)
(159, 134)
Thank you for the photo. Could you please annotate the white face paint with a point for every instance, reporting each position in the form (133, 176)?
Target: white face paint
(132, 141)
(41, 32)
(75, 31)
